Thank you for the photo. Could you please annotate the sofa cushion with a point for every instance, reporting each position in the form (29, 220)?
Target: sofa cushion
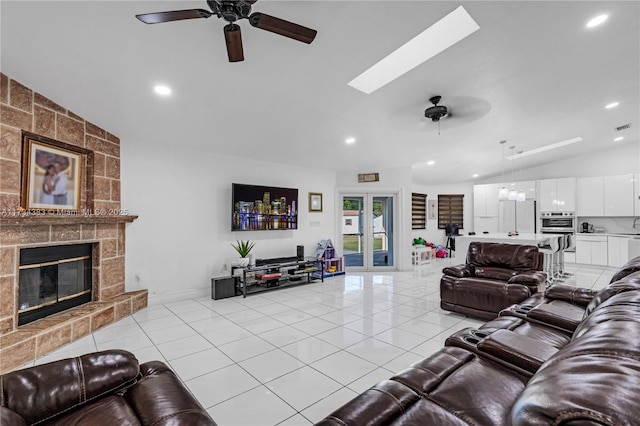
(510, 256)
(494, 273)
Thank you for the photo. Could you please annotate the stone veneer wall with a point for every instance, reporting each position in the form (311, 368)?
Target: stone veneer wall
(23, 109)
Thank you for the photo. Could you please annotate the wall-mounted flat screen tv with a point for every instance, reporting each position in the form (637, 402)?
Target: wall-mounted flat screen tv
(262, 208)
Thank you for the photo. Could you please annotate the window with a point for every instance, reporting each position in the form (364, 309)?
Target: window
(418, 211)
(450, 210)
(348, 222)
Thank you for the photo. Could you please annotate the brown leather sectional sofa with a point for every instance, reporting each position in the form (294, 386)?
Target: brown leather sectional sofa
(101, 388)
(568, 356)
(494, 276)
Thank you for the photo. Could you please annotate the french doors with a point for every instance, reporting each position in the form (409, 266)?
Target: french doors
(368, 223)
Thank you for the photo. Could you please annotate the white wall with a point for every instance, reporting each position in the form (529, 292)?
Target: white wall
(183, 235)
(437, 236)
(394, 179)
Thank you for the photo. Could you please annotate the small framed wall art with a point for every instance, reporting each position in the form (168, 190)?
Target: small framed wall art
(315, 201)
(51, 174)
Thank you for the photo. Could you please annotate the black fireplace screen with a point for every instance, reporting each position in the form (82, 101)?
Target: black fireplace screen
(53, 279)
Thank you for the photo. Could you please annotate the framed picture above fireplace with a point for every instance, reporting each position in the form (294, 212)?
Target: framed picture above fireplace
(52, 174)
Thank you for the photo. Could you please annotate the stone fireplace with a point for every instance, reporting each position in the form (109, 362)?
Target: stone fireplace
(22, 109)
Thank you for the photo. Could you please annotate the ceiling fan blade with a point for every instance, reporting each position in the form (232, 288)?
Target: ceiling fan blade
(233, 38)
(174, 15)
(282, 27)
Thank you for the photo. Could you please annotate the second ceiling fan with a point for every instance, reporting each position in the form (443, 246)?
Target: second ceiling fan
(232, 11)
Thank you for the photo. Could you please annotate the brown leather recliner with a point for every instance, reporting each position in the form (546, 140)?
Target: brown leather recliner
(494, 277)
(101, 388)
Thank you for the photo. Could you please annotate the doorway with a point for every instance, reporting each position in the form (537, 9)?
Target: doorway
(368, 240)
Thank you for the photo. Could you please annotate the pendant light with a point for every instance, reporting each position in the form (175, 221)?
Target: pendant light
(503, 193)
(521, 194)
(513, 194)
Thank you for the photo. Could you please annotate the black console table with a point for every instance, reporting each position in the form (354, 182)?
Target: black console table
(269, 276)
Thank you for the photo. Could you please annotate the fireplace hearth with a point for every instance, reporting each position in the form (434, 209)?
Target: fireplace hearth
(53, 279)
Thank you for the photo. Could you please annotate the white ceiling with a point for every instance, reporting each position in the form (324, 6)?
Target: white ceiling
(533, 75)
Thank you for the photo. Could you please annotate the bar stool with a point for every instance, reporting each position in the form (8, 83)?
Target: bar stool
(558, 257)
(571, 245)
(549, 250)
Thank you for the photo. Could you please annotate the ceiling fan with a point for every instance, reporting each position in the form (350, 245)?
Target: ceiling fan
(232, 11)
(436, 112)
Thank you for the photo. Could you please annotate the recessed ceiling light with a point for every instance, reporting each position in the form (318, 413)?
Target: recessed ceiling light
(431, 163)
(475, 175)
(544, 148)
(618, 139)
(162, 90)
(597, 21)
(612, 105)
(350, 140)
(438, 37)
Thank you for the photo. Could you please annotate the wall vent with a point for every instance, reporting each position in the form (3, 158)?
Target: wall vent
(623, 127)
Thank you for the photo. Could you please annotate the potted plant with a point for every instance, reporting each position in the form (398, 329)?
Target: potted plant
(243, 248)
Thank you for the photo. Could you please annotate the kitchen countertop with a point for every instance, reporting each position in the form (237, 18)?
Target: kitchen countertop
(505, 236)
(462, 241)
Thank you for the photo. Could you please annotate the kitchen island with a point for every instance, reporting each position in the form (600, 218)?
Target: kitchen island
(462, 241)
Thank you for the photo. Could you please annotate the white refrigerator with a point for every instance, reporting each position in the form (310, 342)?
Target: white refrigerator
(517, 216)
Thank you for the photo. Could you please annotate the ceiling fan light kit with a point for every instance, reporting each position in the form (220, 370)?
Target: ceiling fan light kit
(232, 11)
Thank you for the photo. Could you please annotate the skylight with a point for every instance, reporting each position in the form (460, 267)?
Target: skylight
(438, 37)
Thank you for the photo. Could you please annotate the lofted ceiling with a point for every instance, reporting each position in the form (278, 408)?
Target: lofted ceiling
(533, 74)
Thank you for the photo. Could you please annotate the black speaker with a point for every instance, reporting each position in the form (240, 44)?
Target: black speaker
(300, 252)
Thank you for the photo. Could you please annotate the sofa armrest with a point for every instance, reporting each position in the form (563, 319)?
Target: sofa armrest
(575, 295)
(10, 418)
(459, 271)
(48, 390)
(529, 278)
(521, 351)
(160, 399)
(557, 315)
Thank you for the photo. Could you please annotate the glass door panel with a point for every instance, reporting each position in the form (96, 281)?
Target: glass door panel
(382, 235)
(353, 230)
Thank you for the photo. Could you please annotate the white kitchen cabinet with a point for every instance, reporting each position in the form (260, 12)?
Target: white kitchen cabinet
(590, 196)
(566, 188)
(485, 200)
(618, 250)
(592, 249)
(618, 195)
(547, 195)
(557, 195)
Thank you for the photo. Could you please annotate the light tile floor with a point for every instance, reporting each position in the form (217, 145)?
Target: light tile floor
(291, 356)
